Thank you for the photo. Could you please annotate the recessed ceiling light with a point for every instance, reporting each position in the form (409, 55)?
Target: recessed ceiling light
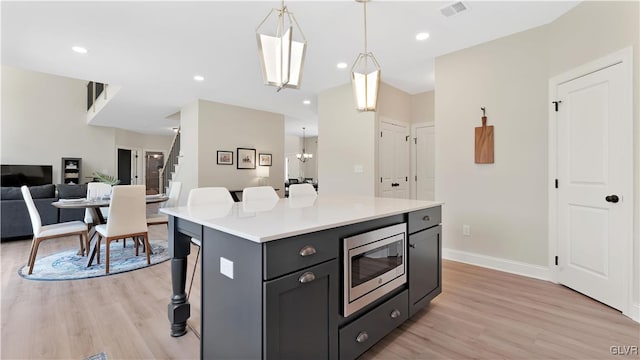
(198, 78)
(307, 102)
(342, 65)
(79, 49)
(422, 36)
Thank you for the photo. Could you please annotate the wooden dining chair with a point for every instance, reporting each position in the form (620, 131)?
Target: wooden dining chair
(59, 230)
(302, 190)
(206, 196)
(127, 219)
(174, 195)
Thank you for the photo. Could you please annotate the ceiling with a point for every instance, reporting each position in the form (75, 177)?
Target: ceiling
(153, 49)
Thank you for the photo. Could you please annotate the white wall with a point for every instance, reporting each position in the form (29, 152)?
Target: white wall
(394, 104)
(132, 139)
(506, 203)
(348, 141)
(187, 172)
(44, 119)
(423, 107)
(228, 127)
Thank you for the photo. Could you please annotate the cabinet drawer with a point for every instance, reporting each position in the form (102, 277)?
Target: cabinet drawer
(288, 255)
(423, 219)
(363, 333)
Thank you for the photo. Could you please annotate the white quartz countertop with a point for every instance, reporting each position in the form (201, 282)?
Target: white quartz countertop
(265, 221)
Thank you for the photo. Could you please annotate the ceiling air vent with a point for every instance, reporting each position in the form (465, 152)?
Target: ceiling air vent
(454, 9)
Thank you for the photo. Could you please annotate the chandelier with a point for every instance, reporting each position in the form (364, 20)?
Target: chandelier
(281, 56)
(304, 156)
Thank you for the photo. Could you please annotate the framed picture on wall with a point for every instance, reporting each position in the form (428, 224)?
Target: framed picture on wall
(225, 157)
(246, 158)
(264, 159)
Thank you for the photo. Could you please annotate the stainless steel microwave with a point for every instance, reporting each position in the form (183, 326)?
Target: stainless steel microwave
(375, 263)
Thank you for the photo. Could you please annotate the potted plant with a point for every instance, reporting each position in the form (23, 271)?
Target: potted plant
(107, 179)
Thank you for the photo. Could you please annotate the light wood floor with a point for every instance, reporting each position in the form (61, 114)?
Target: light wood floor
(481, 314)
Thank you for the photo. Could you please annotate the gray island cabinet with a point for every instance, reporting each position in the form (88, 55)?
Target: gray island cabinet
(273, 275)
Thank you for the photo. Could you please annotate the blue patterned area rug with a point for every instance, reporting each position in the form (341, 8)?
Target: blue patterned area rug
(99, 356)
(68, 265)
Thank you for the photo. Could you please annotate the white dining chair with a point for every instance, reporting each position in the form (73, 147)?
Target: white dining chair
(127, 218)
(302, 190)
(96, 190)
(174, 195)
(259, 193)
(206, 196)
(46, 232)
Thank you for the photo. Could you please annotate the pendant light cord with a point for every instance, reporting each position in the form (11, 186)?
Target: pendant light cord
(365, 27)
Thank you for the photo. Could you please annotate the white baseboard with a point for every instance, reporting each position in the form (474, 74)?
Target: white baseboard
(634, 314)
(510, 266)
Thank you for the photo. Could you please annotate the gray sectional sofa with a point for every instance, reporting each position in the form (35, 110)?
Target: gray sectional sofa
(14, 217)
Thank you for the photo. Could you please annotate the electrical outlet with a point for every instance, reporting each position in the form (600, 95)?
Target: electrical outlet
(466, 230)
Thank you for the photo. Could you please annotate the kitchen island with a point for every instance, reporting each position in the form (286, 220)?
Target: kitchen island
(275, 275)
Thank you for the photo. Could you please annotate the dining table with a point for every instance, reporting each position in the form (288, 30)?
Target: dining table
(94, 206)
(236, 194)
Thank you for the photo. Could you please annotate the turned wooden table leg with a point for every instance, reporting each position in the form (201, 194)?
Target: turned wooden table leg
(179, 309)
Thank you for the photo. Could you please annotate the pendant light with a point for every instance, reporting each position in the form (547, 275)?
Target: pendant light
(304, 156)
(281, 56)
(365, 75)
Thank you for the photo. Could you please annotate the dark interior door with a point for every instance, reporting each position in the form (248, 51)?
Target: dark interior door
(124, 166)
(154, 160)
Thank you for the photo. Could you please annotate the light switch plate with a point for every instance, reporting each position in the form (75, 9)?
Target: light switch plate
(358, 169)
(226, 267)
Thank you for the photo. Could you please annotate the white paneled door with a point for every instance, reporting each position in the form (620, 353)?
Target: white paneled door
(394, 161)
(425, 163)
(594, 161)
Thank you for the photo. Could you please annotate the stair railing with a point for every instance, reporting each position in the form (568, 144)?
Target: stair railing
(170, 162)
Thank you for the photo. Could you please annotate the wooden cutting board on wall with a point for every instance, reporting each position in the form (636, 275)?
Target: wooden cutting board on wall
(484, 143)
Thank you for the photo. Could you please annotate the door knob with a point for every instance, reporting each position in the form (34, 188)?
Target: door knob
(612, 198)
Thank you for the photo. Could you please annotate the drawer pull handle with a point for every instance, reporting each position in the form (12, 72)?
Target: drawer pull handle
(362, 337)
(307, 277)
(307, 251)
(395, 314)
(426, 218)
